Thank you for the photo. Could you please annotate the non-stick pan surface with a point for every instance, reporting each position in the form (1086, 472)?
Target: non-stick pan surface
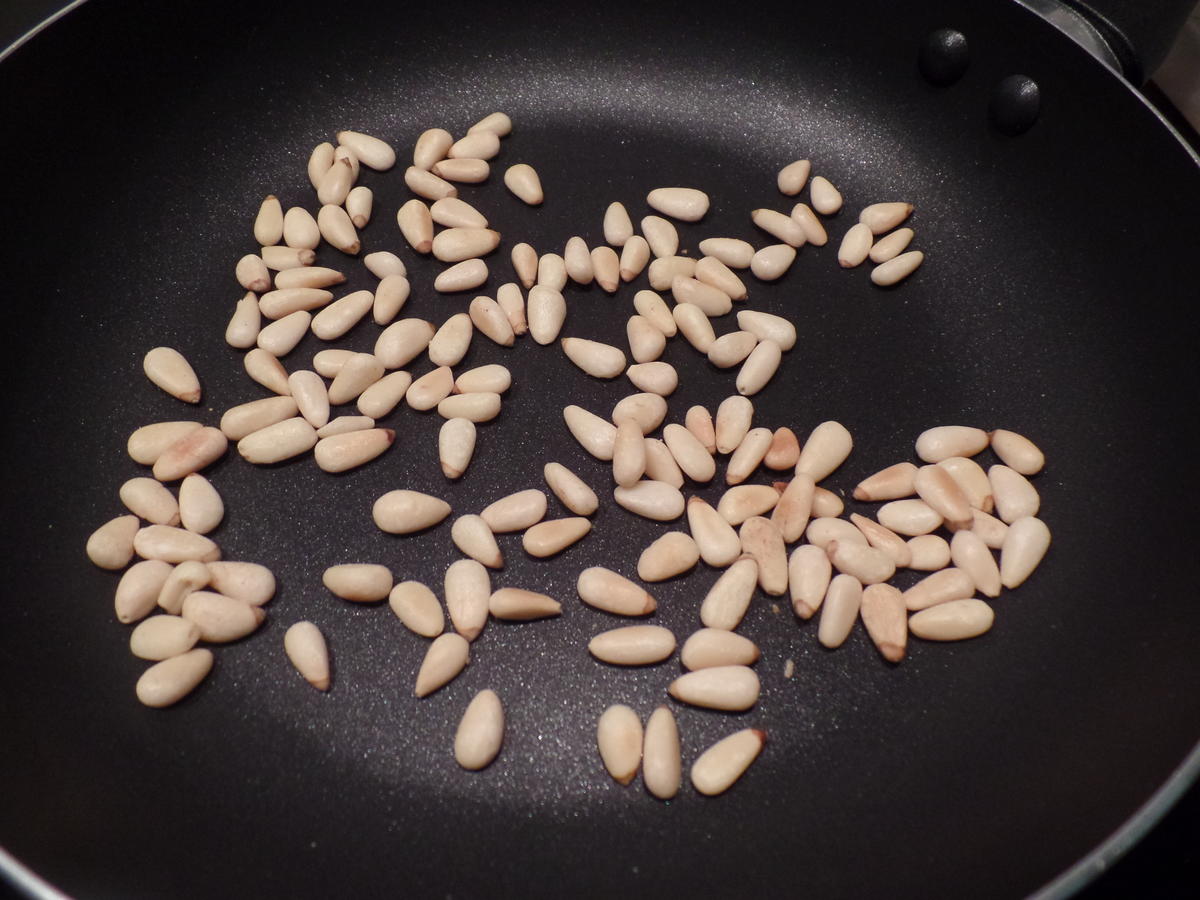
(1057, 300)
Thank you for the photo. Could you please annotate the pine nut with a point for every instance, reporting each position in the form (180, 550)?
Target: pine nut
(221, 619)
(749, 454)
(619, 740)
(654, 377)
(340, 316)
(784, 451)
(190, 453)
(740, 503)
(713, 272)
(188, 576)
(971, 480)
(855, 246)
(524, 183)
(358, 582)
(1015, 497)
(941, 492)
(823, 530)
(279, 304)
(509, 299)
(474, 538)
(240, 421)
(826, 449)
(729, 688)
(327, 363)
(685, 204)
(480, 145)
(633, 645)
(728, 599)
(168, 682)
(734, 416)
(463, 276)
(577, 260)
(554, 535)
(200, 506)
(909, 517)
(282, 258)
(455, 213)
(721, 765)
(694, 325)
(456, 446)
(519, 605)
(792, 177)
(691, 455)
(319, 162)
(883, 217)
(163, 637)
(359, 203)
(884, 539)
(654, 500)
(384, 264)
(552, 271)
(893, 245)
(843, 600)
(343, 452)
(762, 542)
(309, 398)
(357, 374)
(546, 311)
(399, 344)
(897, 269)
(718, 542)
(416, 224)
(940, 587)
(268, 224)
(306, 648)
(768, 327)
(957, 620)
(570, 489)
(672, 554)
(597, 359)
(733, 252)
(167, 369)
(699, 422)
(335, 183)
(618, 227)
(759, 368)
(138, 590)
(147, 498)
(893, 483)
(244, 324)
(281, 336)
(929, 552)
(606, 590)
(712, 301)
(826, 199)
(498, 123)
(646, 342)
(246, 581)
(661, 764)
(607, 267)
(446, 657)
(525, 264)
(629, 453)
(970, 554)
(944, 441)
(404, 511)
(252, 273)
(661, 465)
(383, 396)
(452, 340)
(635, 255)
(372, 151)
(826, 503)
(595, 435)
(1026, 543)
(344, 425)
(431, 147)
(661, 236)
(308, 277)
(417, 608)
(868, 564)
(515, 512)
(712, 647)
(1017, 452)
(468, 588)
(814, 231)
(665, 269)
(480, 732)
(809, 574)
(428, 184)
(458, 244)
(779, 226)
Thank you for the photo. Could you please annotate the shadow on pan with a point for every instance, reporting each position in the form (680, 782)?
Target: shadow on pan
(1055, 301)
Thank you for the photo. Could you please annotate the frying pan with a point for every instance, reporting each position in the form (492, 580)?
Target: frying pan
(1057, 300)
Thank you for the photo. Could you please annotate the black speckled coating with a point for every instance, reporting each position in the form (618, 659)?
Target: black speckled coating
(1058, 299)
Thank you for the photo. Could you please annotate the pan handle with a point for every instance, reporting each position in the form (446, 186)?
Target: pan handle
(1134, 36)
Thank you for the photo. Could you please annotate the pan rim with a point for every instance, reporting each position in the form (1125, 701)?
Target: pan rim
(1067, 883)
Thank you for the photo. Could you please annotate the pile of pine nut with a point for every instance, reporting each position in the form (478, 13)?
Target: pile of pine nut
(839, 567)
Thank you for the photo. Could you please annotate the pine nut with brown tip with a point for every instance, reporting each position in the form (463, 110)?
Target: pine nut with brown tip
(416, 225)
(784, 451)
(474, 538)
(456, 446)
(635, 255)
(167, 369)
(417, 607)
(524, 183)
(809, 575)
(306, 648)
(611, 592)
(855, 246)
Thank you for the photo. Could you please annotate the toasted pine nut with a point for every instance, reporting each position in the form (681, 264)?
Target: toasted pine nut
(1017, 452)
(606, 590)
(456, 446)
(722, 764)
(809, 574)
(730, 688)
(570, 489)
(654, 500)
(398, 345)
(404, 511)
(1026, 543)
(729, 599)
(792, 177)
(672, 554)
(619, 740)
(826, 199)
(891, 246)
(200, 506)
(929, 552)
(523, 181)
(518, 605)
(897, 269)
(190, 453)
(431, 147)
(468, 588)
(661, 765)
(597, 359)
(417, 607)
(956, 620)
(635, 254)
(168, 682)
(843, 600)
(446, 657)
(940, 587)
(162, 637)
(552, 536)
(633, 645)
(481, 730)
(147, 498)
(474, 538)
(1015, 496)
